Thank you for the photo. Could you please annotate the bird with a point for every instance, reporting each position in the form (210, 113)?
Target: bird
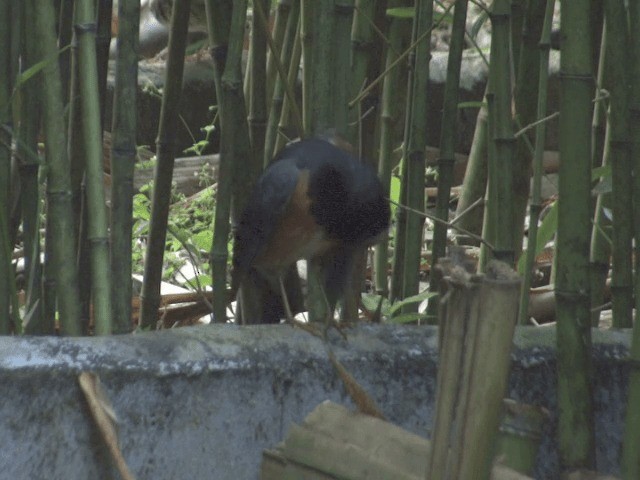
(315, 201)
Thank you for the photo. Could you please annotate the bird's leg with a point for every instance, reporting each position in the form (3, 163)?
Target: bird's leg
(289, 315)
(285, 301)
(330, 321)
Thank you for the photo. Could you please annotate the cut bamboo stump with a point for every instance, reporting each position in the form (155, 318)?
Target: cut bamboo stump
(478, 314)
(336, 443)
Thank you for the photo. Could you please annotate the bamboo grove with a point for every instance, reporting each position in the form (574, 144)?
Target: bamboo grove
(363, 68)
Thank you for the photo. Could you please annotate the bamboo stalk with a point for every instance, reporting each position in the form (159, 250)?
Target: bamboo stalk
(388, 117)
(414, 150)
(479, 317)
(491, 198)
(621, 166)
(448, 139)
(227, 39)
(289, 106)
(526, 88)
(536, 204)
(502, 177)
(630, 463)
(65, 36)
(58, 179)
(474, 184)
(92, 134)
(78, 185)
(28, 167)
(290, 38)
(317, 32)
(283, 10)
(103, 42)
(601, 235)
(123, 157)
(397, 274)
(361, 48)
(575, 423)
(165, 145)
(257, 117)
(342, 77)
(5, 166)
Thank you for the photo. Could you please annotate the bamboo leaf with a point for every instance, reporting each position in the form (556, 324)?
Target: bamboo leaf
(203, 240)
(141, 207)
(546, 231)
(401, 12)
(36, 68)
(412, 299)
(407, 318)
(475, 104)
(477, 25)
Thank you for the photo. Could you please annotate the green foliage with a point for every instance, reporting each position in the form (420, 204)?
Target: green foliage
(200, 146)
(394, 193)
(546, 231)
(391, 312)
(189, 234)
(401, 12)
(472, 104)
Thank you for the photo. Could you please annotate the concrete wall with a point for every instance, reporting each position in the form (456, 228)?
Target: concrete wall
(202, 402)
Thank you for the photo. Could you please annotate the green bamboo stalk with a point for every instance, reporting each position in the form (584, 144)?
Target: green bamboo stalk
(227, 39)
(258, 80)
(342, 64)
(448, 139)
(474, 184)
(399, 240)
(596, 14)
(388, 118)
(58, 181)
(630, 463)
(575, 423)
(359, 124)
(414, 150)
(103, 42)
(123, 157)
(28, 161)
(307, 17)
(536, 204)
(14, 43)
(218, 23)
(290, 108)
(621, 167)
(601, 235)
(289, 38)
(48, 282)
(92, 133)
(599, 122)
(502, 178)
(489, 232)
(317, 48)
(343, 85)
(163, 174)
(362, 47)
(5, 165)
(65, 35)
(317, 32)
(281, 22)
(78, 186)
(518, 15)
(526, 88)
(398, 271)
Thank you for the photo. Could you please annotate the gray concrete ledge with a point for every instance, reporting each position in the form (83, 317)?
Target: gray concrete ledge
(202, 402)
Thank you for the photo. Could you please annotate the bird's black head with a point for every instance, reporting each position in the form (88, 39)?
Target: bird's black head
(348, 200)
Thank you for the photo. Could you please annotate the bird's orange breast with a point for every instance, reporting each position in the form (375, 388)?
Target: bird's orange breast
(297, 234)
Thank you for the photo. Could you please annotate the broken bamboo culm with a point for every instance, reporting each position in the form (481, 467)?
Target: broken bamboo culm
(478, 314)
